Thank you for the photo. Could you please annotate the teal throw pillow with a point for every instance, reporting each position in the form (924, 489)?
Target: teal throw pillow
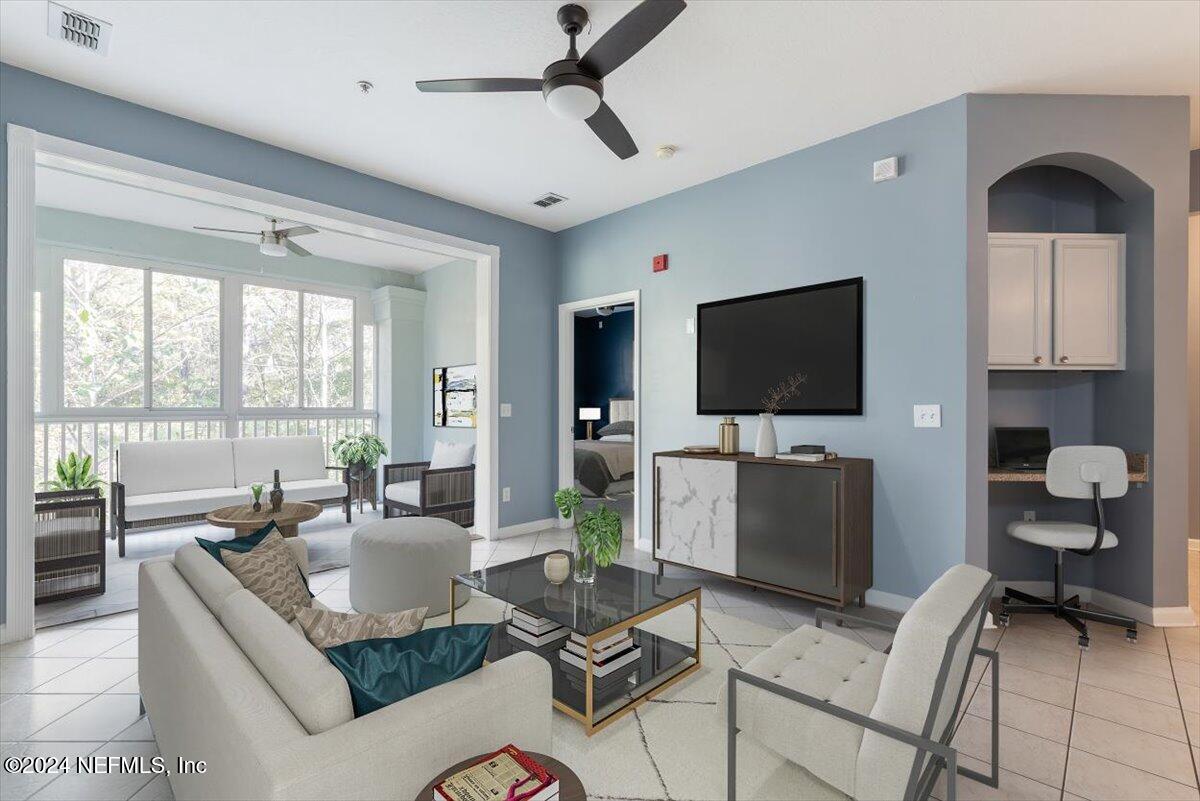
(389, 669)
(237, 544)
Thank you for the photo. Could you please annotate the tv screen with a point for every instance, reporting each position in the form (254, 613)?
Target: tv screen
(745, 346)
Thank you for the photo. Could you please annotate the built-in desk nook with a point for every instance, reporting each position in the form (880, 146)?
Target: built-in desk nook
(801, 528)
(1139, 472)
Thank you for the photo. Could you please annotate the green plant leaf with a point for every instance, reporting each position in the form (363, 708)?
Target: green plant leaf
(568, 499)
(600, 535)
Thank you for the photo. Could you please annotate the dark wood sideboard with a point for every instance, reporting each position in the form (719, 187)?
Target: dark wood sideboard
(800, 528)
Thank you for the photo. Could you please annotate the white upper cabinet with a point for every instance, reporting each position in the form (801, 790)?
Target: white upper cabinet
(1019, 302)
(1056, 301)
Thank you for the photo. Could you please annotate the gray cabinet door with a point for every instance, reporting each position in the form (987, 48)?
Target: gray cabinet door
(788, 527)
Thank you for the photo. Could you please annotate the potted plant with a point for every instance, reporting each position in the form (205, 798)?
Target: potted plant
(257, 490)
(359, 452)
(74, 473)
(597, 540)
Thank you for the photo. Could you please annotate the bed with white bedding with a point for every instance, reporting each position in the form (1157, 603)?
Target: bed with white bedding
(605, 467)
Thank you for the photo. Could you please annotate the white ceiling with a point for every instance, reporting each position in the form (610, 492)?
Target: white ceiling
(64, 190)
(731, 83)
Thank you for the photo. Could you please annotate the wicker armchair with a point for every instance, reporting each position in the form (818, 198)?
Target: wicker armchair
(411, 488)
(68, 544)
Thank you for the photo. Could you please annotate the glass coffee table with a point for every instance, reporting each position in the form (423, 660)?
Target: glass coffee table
(621, 598)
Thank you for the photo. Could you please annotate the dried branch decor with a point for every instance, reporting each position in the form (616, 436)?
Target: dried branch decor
(775, 397)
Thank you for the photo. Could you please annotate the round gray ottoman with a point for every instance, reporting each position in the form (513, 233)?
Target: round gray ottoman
(406, 562)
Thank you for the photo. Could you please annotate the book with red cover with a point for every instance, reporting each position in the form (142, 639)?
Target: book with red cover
(540, 786)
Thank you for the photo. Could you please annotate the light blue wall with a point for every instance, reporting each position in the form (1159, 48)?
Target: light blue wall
(528, 282)
(807, 217)
(449, 338)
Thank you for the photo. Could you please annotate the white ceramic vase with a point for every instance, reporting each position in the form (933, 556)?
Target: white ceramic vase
(557, 567)
(767, 444)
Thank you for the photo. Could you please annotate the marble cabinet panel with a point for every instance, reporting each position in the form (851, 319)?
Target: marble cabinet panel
(696, 505)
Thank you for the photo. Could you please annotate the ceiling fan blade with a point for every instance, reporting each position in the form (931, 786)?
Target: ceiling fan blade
(298, 230)
(631, 33)
(292, 246)
(227, 230)
(482, 85)
(604, 124)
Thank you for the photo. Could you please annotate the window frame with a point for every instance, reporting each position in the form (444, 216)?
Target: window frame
(51, 258)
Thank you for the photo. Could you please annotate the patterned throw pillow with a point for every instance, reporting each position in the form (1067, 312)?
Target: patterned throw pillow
(270, 571)
(325, 629)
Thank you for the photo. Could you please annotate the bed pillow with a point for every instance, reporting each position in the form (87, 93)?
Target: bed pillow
(270, 571)
(617, 438)
(620, 427)
(384, 671)
(325, 629)
(451, 454)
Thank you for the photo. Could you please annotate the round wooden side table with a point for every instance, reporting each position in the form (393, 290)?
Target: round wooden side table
(569, 786)
(244, 520)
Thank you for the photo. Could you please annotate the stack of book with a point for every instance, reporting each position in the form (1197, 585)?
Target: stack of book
(508, 773)
(614, 660)
(533, 630)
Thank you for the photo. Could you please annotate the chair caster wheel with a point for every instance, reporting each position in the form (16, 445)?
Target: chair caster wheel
(1002, 619)
(1084, 642)
(1131, 635)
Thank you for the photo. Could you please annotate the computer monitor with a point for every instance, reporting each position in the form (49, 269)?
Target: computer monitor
(1022, 448)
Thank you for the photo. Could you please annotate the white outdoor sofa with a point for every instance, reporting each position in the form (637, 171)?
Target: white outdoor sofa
(224, 679)
(180, 481)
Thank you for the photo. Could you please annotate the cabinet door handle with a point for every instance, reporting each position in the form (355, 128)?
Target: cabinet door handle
(657, 479)
(834, 518)
(1063, 359)
(1037, 359)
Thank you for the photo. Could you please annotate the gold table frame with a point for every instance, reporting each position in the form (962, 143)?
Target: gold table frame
(588, 719)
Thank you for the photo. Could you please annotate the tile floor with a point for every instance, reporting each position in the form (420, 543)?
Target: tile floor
(1118, 721)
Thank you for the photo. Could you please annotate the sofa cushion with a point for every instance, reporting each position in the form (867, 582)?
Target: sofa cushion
(383, 671)
(182, 502)
(147, 468)
(256, 459)
(313, 689)
(238, 544)
(206, 576)
(907, 687)
(271, 572)
(404, 492)
(310, 489)
(325, 629)
(451, 454)
(825, 665)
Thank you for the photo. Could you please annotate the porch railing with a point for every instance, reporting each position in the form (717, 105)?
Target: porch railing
(54, 438)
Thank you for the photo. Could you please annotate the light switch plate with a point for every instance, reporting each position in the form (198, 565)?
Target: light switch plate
(885, 169)
(689, 326)
(506, 494)
(506, 410)
(927, 415)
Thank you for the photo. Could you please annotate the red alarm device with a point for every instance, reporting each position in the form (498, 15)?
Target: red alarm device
(660, 263)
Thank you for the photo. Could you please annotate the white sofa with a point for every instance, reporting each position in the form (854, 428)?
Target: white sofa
(177, 481)
(224, 679)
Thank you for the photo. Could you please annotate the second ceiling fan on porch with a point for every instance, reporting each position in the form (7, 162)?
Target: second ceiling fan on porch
(274, 241)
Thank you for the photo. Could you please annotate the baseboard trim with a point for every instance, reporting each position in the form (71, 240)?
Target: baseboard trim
(890, 601)
(518, 529)
(1161, 616)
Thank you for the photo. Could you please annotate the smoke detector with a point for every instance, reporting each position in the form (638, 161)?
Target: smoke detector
(604, 311)
(79, 29)
(549, 199)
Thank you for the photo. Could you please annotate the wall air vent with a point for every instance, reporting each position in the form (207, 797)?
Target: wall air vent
(78, 29)
(549, 199)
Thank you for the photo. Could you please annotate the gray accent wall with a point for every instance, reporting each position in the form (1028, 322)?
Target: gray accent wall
(807, 217)
(528, 282)
(449, 340)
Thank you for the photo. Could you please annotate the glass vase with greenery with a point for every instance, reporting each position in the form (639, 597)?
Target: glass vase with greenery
(74, 473)
(597, 540)
(360, 452)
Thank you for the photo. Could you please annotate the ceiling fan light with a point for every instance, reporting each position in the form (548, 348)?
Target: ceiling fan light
(269, 248)
(573, 101)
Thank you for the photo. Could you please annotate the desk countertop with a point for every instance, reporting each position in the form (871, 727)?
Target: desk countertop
(1139, 472)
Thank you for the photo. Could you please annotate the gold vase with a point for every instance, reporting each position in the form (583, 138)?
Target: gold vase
(727, 436)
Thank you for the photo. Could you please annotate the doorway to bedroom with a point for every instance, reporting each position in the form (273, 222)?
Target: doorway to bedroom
(599, 438)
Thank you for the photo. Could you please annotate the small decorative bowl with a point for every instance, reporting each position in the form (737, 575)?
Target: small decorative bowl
(557, 568)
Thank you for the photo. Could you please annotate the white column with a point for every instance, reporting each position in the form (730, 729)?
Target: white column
(400, 323)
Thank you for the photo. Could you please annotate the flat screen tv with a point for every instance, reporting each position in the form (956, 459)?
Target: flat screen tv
(747, 345)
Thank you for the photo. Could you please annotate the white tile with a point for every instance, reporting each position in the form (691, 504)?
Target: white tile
(138, 732)
(20, 674)
(44, 638)
(101, 718)
(1101, 779)
(124, 620)
(1165, 721)
(1029, 755)
(101, 787)
(126, 650)
(17, 786)
(93, 676)
(23, 715)
(159, 789)
(1149, 752)
(130, 685)
(89, 643)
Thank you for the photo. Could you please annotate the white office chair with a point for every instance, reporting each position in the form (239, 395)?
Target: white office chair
(1078, 471)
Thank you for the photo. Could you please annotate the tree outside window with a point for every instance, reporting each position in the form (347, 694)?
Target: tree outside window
(270, 347)
(103, 335)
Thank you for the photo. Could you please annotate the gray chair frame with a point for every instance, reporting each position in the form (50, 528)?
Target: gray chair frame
(920, 783)
(447, 492)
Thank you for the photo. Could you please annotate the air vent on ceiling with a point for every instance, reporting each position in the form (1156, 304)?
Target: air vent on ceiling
(549, 199)
(79, 29)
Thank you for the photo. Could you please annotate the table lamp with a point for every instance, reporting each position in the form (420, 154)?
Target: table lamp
(589, 413)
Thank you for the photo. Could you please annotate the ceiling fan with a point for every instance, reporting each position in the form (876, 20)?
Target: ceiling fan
(274, 241)
(574, 87)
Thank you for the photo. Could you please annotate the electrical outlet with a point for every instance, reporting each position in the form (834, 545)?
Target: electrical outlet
(689, 325)
(1030, 516)
(927, 415)
(506, 494)
(506, 410)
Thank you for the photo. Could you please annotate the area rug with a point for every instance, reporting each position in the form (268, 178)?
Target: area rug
(672, 748)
